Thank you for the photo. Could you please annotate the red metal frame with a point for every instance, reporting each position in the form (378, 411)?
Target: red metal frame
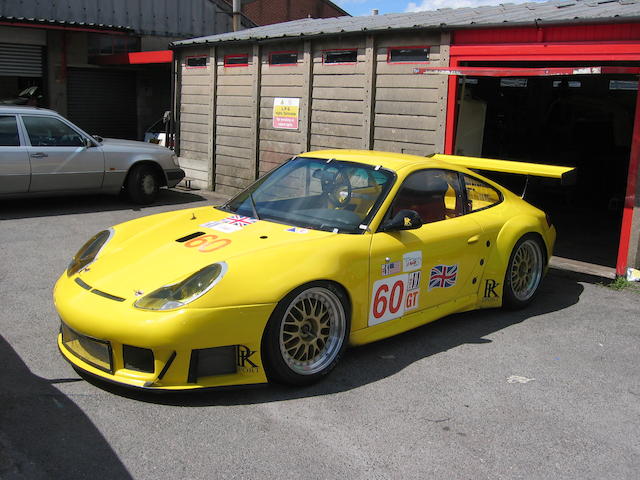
(324, 55)
(591, 52)
(412, 47)
(186, 61)
(527, 72)
(236, 55)
(629, 199)
(134, 58)
(283, 64)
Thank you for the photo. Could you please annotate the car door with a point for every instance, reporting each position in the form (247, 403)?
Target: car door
(15, 171)
(412, 270)
(60, 157)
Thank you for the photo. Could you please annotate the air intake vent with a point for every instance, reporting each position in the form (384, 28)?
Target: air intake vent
(189, 237)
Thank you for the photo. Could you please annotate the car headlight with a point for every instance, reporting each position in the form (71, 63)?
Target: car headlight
(89, 251)
(185, 291)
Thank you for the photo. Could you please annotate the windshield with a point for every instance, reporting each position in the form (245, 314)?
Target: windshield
(317, 193)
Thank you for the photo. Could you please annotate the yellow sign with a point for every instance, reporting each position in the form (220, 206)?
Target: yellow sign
(285, 113)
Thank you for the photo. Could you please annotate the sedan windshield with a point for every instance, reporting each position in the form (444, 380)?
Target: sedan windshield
(317, 193)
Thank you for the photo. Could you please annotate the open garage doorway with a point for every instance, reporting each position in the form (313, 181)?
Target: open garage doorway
(584, 121)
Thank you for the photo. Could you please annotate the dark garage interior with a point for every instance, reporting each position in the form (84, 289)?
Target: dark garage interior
(583, 121)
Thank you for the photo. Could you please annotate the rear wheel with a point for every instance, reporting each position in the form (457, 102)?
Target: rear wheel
(306, 334)
(142, 185)
(524, 272)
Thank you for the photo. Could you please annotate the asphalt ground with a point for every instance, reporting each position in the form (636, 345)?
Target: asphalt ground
(552, 391)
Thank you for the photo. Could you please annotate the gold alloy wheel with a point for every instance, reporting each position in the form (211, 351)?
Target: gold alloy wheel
(526, 270)
(312, 331)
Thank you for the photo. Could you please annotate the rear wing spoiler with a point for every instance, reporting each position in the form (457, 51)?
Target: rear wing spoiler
(565, 174)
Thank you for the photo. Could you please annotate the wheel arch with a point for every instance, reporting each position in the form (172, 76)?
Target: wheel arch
(146, 162)
(498, 260)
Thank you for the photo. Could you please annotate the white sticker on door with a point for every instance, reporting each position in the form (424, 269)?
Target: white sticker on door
(412, 261)
(388, 299)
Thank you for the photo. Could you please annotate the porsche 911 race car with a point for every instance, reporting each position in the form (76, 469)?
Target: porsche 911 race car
(333, 248)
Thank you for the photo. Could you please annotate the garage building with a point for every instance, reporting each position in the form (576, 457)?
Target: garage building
(552, 82)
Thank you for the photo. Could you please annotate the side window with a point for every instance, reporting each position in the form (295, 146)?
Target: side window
(51, 132)
(480, 194)
(434, 194)
(9, 131)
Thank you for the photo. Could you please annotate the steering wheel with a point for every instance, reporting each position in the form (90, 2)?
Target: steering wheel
(337, 187)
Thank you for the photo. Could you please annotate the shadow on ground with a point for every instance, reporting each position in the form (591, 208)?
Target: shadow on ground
(43, 434)
(371, 363)
(70, 205)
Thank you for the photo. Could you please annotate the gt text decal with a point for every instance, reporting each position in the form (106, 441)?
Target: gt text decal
(391, 268)
(412, 261)
(392, 296)
(443, 276)
(207, 243)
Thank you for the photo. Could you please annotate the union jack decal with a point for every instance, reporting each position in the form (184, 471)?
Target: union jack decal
(239, 220)
(443, 276)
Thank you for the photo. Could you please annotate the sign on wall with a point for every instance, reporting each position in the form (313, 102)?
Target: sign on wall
(285, 113)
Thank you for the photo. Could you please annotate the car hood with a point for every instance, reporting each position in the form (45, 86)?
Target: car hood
(131, 144)
(151, 252)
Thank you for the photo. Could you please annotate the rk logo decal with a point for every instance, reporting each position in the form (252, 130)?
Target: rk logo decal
(490, 288)
(244, 355)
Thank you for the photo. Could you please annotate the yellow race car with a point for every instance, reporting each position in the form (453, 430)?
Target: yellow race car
(333, 248)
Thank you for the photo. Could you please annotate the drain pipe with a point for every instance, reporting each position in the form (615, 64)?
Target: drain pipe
(236, 15)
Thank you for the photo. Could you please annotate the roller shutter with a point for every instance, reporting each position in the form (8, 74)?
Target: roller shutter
(20, 60)
(103, 102)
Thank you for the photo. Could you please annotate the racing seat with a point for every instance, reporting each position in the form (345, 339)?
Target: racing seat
(424, 195)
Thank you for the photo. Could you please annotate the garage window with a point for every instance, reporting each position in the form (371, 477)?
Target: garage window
(283, 58)
(197, 62)
(9, 132)
(239, 60)
(480, 195)
(408, 54)
(340, 57)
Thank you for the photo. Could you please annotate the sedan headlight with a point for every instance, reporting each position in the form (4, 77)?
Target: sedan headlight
(185, 291)
(89, 251)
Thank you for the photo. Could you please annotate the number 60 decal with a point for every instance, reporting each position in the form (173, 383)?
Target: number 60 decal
(207, 243)
(388, 299)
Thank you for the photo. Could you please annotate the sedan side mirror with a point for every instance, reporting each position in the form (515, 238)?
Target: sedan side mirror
(88, 143)
(403, 220)
(98, 138)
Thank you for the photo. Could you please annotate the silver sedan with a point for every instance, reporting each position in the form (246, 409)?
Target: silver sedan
(43, 154)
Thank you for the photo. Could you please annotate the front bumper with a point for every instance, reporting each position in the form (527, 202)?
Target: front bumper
(173, 350)
(174, 176)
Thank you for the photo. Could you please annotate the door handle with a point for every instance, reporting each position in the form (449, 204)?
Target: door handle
(473, 239)
(39, 155)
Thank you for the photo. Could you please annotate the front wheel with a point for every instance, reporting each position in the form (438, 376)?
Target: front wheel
(306, 334)
(142, 185)
(524, 272)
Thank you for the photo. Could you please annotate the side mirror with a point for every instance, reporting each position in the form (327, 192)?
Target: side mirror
(88, 143)
(98, 138)
(403, 220)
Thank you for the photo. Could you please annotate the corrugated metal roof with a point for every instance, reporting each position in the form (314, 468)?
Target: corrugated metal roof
(169, 18)
(553, 12)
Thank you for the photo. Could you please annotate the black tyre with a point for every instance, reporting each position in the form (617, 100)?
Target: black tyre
(306, 334)
(142, 185)
(524, 272)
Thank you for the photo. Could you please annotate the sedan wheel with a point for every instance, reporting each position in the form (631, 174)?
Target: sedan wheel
(142, 185)
(306, 334)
